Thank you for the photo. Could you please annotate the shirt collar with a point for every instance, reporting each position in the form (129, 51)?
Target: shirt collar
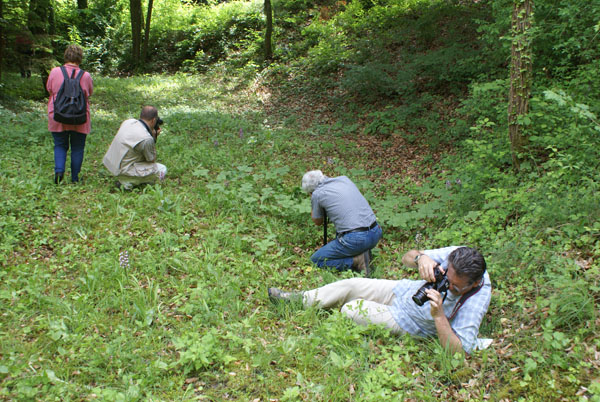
(145, 125)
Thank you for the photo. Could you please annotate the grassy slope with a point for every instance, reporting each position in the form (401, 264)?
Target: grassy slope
(188, 318)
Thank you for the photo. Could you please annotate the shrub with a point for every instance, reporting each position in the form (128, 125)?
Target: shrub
(218, 33)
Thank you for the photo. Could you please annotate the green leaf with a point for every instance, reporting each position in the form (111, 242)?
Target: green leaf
(52, 377)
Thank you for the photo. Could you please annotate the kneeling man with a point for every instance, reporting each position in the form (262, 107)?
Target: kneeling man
(357, 231)
(131, 157)
(454, 318)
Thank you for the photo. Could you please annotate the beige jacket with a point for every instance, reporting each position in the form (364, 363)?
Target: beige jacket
(131, 133)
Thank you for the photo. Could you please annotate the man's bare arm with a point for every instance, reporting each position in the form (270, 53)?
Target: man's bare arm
(446, 335)
(425, 264)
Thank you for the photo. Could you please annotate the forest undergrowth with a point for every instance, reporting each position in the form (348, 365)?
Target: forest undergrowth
(160, 293)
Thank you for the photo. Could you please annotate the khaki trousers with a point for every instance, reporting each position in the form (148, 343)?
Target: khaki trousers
(363, 300)
(143, 173)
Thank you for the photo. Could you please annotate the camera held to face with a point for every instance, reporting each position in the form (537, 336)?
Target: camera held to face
(441, 284)
(159, 121)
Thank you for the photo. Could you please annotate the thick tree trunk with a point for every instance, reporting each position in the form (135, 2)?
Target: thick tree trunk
(147, 31)
(268, 31)
(135, 10)
(520, 76)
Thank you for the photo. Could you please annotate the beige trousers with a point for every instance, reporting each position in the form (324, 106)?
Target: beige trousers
(363, 300)
(142, 172)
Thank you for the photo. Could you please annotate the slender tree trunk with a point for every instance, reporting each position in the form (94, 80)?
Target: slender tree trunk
(135, 10)
(82, 4)
(520, 76)
(37, 17)
(51, 19)
(147, 32)
(37, 22)
(1, 39)
(268, 31)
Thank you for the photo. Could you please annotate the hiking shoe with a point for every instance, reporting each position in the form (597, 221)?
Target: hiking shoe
(368, 258)
(360, 263)
(276, 294)
(58, 177)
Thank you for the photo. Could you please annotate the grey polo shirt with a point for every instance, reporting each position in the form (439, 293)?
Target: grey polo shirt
(346, 207)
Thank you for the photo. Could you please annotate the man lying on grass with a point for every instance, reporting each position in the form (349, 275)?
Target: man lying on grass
(455, 316)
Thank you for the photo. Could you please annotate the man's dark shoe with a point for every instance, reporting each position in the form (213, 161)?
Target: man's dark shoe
(58, 177)
(276, 294)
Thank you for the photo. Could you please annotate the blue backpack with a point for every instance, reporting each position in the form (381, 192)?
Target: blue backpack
(69, 105)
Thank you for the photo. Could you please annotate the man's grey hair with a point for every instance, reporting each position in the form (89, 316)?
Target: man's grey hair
(468, 262)
(311, 180)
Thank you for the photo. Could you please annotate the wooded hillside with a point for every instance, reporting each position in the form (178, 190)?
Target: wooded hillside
(461, 121)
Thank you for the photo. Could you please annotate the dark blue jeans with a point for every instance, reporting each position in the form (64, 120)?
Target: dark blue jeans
(61, 147)
(338, 253)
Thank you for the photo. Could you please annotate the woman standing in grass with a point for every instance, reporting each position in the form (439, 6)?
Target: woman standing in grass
(68, 134)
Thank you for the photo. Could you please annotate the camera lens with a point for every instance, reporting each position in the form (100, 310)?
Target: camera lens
(420, 297)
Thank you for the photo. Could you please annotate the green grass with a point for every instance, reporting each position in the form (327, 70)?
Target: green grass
(188, 318)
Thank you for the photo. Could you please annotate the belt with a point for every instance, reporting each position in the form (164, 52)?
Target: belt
(363, 229)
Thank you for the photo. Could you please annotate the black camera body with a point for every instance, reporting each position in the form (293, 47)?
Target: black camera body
(158, 124)
(441, 284)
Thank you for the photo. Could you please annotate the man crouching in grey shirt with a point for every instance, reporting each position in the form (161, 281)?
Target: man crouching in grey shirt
(357, 231)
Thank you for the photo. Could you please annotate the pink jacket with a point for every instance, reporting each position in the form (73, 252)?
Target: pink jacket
(55, 80)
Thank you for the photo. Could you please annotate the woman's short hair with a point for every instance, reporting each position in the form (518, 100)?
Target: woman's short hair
(73, 54)
(311, 180)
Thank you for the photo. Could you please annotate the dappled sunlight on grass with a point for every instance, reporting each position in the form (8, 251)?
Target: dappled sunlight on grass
(202, 246)
(188, 315)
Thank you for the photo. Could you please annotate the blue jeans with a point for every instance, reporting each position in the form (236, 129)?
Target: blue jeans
(61, 147)
(338, 253)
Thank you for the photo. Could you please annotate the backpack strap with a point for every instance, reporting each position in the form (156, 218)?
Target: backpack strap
(79, 75)
(464, 298)
(64, 71)
(81, 72)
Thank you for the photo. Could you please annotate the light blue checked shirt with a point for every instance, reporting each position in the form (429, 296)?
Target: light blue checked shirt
(417, 320)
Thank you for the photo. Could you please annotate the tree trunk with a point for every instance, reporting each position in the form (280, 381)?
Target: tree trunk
(1, 39)
(520, 76)
(51, 19)
(147, 32)
(37, 22)
(135, 10)
(268, 31)
(37, 17)
(82, 4)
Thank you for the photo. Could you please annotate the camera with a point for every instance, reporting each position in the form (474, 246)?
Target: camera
(158, 123)
(441, 284)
